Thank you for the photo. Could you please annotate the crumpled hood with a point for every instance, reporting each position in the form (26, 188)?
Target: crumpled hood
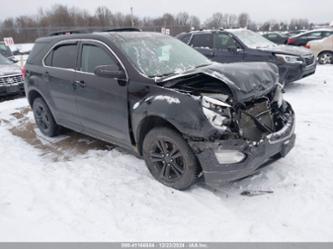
(246, 81)
(9, 69)
(287, 49)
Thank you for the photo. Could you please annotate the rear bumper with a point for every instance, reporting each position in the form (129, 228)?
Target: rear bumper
(257, 154)
(6, 90)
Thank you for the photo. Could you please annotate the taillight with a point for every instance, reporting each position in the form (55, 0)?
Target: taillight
(24, 72)
(291, 41)
(307, 46)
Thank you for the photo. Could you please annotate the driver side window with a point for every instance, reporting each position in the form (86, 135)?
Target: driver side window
(225, 42)
(93, 56)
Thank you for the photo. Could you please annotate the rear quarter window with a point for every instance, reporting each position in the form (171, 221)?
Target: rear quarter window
(202, 41)
(38, 52)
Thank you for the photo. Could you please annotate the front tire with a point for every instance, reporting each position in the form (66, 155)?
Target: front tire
(44, 118)
(325, 58)
(170, 159)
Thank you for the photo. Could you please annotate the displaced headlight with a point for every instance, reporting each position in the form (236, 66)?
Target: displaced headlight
(283, 58)
(278, 96)
(216, 111)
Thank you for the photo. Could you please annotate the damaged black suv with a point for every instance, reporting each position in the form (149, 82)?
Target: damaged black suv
(185, 115)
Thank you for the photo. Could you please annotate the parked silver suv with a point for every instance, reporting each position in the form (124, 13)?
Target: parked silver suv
(11, 80)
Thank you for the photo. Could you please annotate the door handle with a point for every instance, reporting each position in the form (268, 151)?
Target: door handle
(80, 83)
(47, 74)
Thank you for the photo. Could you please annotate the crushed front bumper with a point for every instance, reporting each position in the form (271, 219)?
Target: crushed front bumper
(257, 154)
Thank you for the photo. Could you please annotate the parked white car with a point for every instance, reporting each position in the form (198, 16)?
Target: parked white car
(322, 49)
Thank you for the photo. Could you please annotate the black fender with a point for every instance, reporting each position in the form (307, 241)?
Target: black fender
(181, 110)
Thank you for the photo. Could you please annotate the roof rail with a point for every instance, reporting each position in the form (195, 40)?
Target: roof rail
(122, 30)
(87, 30)
(69, 32)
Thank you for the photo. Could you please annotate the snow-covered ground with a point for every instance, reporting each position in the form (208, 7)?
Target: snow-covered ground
(74, 188)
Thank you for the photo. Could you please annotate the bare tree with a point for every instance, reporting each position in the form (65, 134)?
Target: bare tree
(216, 21)
(243, 20)
(182, 18)
(104, 16)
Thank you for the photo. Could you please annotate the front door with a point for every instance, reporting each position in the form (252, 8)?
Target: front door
(227, 49)
(101, 102)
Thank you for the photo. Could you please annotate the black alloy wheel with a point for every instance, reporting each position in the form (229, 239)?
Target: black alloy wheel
(44, 118)
(169, 158)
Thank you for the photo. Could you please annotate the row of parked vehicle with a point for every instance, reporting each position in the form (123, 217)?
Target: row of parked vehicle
(320, 42)
(241, 45)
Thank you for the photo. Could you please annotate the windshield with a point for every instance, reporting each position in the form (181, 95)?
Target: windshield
(4, 60)
(158, 55)
(5, 51)
(252, 39)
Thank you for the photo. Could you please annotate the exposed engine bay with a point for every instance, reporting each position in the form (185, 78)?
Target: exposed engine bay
(247, 118)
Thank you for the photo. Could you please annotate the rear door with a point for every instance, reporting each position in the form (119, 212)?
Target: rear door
(102, 102)
(59, 74)
(227, 49)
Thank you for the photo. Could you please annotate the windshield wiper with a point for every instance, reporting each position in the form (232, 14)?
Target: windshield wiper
(204, 65)
(177, 73)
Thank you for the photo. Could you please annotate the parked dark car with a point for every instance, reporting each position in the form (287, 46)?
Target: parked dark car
(11, 81)
(303, 38)
(276, 37)
(162, 100)
(241, 45)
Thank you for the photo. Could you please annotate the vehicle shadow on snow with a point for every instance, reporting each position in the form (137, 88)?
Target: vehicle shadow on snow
(11, 97)
(62, 148)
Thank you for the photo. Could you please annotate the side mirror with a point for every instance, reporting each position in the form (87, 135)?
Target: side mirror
(110, 71)
(235, 50)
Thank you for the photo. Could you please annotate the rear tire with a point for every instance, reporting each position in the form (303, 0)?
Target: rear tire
(170, 159)
(325, 58)
(44, 118)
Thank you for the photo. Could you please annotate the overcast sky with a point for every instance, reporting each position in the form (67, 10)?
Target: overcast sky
(259, 10)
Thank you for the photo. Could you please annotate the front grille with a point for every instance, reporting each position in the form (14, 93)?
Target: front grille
(11, 80)
(256, 120)
(309, 60)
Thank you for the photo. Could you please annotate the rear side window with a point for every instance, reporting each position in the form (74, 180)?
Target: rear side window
(313, 35)
(93, 56)
(37, 53)
(273, 36)
(5, 51)
(202, 41)
(63, 56)
(327, 33)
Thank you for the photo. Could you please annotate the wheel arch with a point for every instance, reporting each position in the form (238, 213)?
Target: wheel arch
(325, 51)
(32, 95)
(149, 123)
